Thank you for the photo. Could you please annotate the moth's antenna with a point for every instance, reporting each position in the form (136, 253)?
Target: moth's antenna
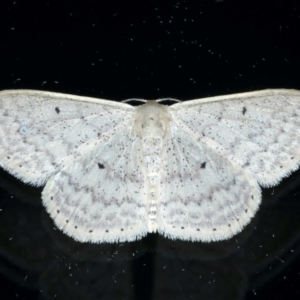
(135, 99)
(158, 100)
(168, 99)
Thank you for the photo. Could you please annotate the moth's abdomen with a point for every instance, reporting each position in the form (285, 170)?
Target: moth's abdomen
(152, 148)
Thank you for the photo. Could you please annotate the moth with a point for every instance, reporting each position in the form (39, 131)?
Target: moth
(113, 172)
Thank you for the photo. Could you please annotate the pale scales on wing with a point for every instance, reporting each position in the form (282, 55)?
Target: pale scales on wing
(114, 172)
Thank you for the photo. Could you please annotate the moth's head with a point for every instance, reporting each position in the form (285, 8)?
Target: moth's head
(152, 119)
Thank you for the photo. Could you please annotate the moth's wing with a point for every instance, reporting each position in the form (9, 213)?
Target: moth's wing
(260, 131)
(203, 196)
(41, 132)
(102, 196)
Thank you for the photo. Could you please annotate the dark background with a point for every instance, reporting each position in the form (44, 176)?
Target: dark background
(149, 49)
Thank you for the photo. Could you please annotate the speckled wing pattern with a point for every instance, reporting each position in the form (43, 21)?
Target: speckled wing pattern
(219, 150)
(85, 147)
(203, 195)
(102, 196)
(41, 132)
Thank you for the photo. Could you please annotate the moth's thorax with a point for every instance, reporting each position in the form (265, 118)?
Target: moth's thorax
(152, 124)
(152, 120)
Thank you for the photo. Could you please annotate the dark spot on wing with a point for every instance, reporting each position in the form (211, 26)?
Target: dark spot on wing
(244, 110)
(203, 165)
(101, 166)
(57, 110)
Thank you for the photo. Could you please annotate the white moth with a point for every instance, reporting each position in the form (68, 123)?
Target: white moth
(113, 172)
